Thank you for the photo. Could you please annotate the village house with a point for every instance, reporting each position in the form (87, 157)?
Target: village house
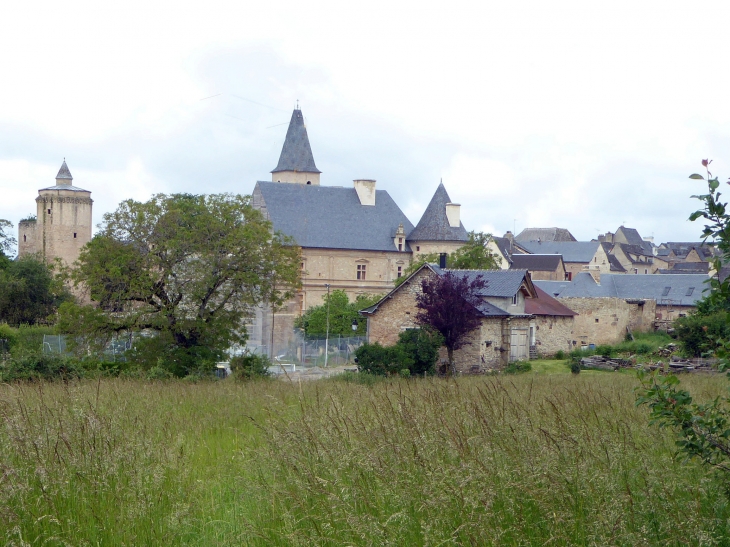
(548, 267)
(609, 305)
(508, 330)
(577, 255)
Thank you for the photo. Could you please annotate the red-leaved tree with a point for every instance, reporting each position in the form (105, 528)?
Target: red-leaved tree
(448, 303)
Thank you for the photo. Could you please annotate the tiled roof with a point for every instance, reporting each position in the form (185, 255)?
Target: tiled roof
(331, 217)
(634, 238)
(650, 287)
(572, 251)
(434, 225)
(615, 265)
(545, 304)
(545, 234)
(691, 267)
(536, 263)
(503, 244)
(296, 154)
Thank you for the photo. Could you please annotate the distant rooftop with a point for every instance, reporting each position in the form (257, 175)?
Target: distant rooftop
(296, 154)
(544, 234)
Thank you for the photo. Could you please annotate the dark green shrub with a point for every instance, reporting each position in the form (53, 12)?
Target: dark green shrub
(421, 347)
(559, 355)
(518, 367)
(404, 373)
(41, 367)
(575, 366)
(250, 366)
(382, 361)
(699, 334)
(605, 351)
(158, 373)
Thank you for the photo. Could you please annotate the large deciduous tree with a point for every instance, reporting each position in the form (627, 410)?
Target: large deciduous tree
(474, 254)
(187, 268)
(448, 303)
(30, 292)
(7, 241)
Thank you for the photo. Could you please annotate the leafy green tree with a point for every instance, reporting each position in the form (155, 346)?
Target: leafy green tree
(342, 313)
(30, 292)
(421, 346)
(7, 241)
(703, 430)
(187, 269)
(473, 255)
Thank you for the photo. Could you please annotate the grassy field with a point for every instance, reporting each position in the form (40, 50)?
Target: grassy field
(544, 458)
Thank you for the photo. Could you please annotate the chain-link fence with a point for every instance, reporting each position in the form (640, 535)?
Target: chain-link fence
(114, 351)
(332, 352)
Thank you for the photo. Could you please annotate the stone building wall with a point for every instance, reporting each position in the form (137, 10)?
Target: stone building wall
(605, 320)
(63, 223)
(419, 248)
(553, 333)
(574, 268)
(27, 237)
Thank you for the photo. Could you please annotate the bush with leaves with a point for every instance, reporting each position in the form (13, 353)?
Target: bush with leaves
(700, 334)
(41, 367)
(518, 367)
(380, 360)
(250, 366)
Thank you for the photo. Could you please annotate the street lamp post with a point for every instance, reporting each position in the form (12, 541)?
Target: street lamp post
(327, 335)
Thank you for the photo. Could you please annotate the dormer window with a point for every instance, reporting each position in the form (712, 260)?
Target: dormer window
(400, 243)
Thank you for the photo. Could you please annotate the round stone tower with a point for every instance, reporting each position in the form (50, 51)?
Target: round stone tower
(63, 221)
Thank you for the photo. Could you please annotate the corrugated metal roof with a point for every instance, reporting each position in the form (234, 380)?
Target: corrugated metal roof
(545, 304)
(332, 218)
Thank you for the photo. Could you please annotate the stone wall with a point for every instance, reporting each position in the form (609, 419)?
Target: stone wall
(427, 247)
(27, 237)
(63, 224)
(553, 333)
(606, 320)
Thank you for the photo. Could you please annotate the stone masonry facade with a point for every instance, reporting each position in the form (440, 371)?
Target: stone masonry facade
(607, 320)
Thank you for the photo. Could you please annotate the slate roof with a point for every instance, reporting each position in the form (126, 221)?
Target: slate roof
(691, 267)
(545, 234)
(296, 154)
(649, 287)
(65, 188)
(572, 251)
(64, 172)
(634, 238)
(331, 217)
(545, 304)
(536, 263)
(615, 265)
(504, 247)
(499, 283)
(434, 225)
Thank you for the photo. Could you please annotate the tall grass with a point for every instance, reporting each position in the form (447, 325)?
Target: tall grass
(521, 460)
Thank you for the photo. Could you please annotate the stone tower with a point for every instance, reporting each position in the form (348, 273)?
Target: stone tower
(296, 163)
(63, 221)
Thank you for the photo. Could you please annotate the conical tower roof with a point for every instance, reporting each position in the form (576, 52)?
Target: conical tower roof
(64, 175)
(434, 224)
(296, 154)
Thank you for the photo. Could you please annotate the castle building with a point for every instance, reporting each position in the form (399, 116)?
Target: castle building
(63, 221)
(354, 239)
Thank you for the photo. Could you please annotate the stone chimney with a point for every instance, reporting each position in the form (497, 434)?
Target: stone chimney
(452, 213)
(365, 189)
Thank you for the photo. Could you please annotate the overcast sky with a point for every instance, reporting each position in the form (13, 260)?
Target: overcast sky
(583, 115)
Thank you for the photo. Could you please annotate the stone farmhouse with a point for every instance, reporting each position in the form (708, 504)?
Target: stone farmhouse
(518, 321)
(62, 225)
(610, 305)
(354, 239)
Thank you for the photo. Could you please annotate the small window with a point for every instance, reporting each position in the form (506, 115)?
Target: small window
(74, 235)
(400, 271)
(309, 182)
(666, 290)
(514, 300)
(23, 238)
(690, 291)
(361, 272)
(596, 319)
(49, 211)
(595, 259)
(400, 246)
(418, 247)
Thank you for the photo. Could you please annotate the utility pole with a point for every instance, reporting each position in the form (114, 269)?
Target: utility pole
(327, 334)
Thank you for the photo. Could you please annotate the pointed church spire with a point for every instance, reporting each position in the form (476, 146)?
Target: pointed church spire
(296, 163)
(64, 177)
